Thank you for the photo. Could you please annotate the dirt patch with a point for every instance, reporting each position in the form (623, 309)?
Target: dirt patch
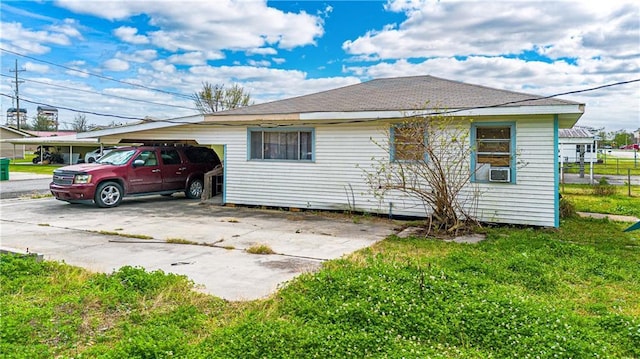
(292, 265)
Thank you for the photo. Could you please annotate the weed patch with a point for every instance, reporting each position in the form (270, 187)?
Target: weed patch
(260, 249)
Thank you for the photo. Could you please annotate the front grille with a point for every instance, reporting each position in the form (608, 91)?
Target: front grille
(64, 178)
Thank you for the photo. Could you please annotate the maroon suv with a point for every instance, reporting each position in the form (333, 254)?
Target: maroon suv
(135, 171)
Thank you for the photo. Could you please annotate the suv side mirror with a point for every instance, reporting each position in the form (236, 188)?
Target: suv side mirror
(138, 163)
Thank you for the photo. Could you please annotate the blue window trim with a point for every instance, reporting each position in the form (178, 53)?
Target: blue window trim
(556, 169)
(282, 129)
(512, 149)
(392, 152)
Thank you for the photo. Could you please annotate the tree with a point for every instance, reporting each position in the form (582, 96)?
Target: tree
(80, 123)
(431, 163)
(622, 138)
(42, 123)
(214, 98)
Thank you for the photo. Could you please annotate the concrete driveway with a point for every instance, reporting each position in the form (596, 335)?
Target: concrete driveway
(136, 234)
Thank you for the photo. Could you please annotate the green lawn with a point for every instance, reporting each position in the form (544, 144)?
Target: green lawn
(582, 197)
(25, 165)
(609, 166)
(572, 292)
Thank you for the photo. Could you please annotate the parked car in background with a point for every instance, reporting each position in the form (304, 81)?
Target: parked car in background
(94, 155)
(135, 171)
(633, 146)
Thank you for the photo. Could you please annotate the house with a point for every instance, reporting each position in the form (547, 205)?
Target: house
(70, 147)
(573, 142)
(570, 142)
(10, 150)
(325, 140)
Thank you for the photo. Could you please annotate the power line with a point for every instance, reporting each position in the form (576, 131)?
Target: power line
(104, 94)
(538, 98)
(79, 111)
(96, 75)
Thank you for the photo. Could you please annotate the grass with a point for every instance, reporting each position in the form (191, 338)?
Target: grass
(610, 166)
(583, 199)
(568, 292)
(126, 235)
(26, 165)
(260, 249)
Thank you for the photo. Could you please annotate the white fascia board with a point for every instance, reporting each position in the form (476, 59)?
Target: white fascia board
(576, 140)
(150, 125)
(60, 140)
(576, 109)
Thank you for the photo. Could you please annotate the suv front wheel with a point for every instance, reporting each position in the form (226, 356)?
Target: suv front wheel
(108, 194)
(194, 189)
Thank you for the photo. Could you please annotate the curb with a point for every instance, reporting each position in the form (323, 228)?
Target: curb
(612, 217)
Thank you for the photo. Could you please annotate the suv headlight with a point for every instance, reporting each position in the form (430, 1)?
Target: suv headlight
(82, 179)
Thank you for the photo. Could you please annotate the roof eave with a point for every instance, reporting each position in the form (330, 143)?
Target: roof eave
(568, 114)
(150, 125)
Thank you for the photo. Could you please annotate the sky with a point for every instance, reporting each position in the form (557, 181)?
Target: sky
(135, 59)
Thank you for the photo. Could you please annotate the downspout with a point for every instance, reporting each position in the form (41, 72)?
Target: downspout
(556, 171)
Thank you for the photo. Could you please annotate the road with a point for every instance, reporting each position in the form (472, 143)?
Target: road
(24, 184)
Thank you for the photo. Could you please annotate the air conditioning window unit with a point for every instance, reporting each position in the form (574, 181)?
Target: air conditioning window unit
(500, 174)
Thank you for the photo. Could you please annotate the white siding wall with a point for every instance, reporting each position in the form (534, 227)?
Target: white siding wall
(531, 200)
(335, 179)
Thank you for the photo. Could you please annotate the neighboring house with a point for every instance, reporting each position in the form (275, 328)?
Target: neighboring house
(71, 148)
(324, 140)
(10, 150)
(570, 141)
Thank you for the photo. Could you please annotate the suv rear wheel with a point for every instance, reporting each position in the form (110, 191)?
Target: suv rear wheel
(194, 189)
(108, 194)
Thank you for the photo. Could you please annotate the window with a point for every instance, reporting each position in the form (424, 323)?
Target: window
(494, 152)
(170, 157)
(407, 143)
(287, 145)
(149, 158)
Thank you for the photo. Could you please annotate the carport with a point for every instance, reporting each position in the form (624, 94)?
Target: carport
(180, 131)
(70, 141)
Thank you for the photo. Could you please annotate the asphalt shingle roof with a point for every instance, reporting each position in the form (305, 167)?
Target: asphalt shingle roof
(576, 132)
(399, 94)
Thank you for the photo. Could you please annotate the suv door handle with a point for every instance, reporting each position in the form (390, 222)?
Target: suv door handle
(156, 170)
(182, 168)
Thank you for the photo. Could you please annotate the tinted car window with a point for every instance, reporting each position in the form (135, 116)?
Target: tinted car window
(202, 155)
(170, 157)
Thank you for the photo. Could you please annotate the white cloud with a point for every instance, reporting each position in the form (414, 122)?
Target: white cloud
(33, 42)
(211, 26)
(160, 66)
(194, 58)
(449, 28)
(140, 56)
(262, 51)
(116, 65)
(130, 35)
(69, 27)
(259, 63)
(39, 68)
(279, 60)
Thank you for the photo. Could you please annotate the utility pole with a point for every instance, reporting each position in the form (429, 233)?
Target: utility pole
(17, 82)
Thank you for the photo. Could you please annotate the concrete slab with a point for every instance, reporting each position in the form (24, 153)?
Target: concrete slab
(104, 240)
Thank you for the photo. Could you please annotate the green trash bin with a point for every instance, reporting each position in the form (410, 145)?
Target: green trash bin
(4, 169)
